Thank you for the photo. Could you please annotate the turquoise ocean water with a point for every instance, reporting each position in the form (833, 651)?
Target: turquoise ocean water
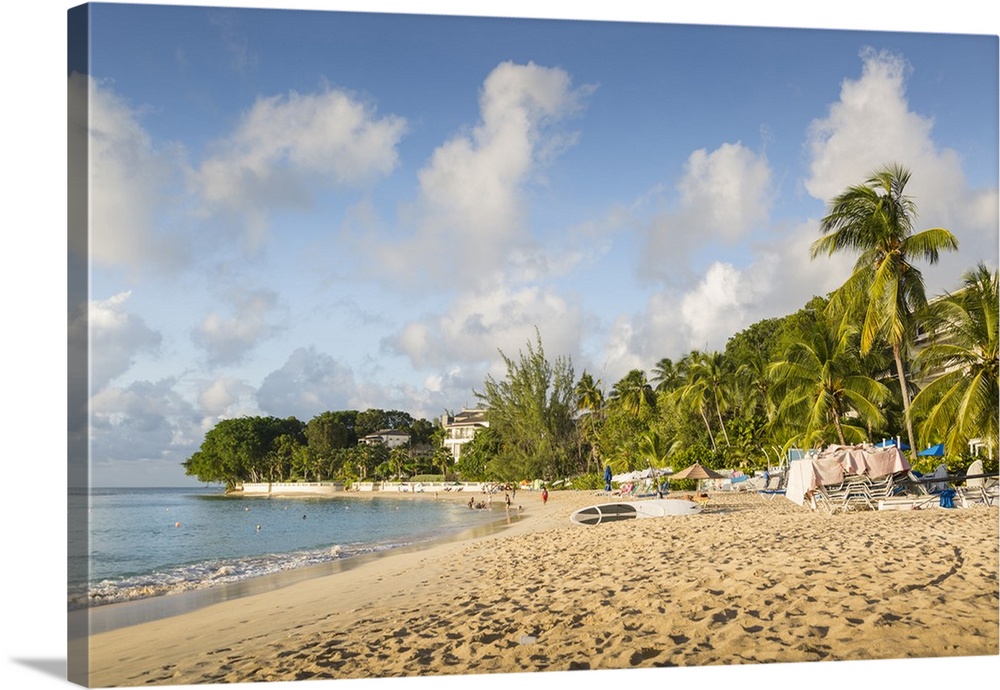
(148, 542)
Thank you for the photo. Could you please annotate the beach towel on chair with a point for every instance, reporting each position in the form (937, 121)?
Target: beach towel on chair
(948, 498)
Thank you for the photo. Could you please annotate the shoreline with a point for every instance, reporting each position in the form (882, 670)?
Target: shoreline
(116, 615)
(747, 581)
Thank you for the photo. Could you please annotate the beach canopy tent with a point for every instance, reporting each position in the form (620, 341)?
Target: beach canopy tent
(935, 451)
(890, 442)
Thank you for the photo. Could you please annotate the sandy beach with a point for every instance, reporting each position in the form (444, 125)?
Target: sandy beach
(748, 581)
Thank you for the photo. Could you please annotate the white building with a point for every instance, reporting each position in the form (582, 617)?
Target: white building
(391, 438)
(461, 428)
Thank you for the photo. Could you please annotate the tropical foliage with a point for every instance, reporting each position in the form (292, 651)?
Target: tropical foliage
(844, 368)
(962, 400)
(268, 449)
(875, 219)
(531, 411)
(820, 382)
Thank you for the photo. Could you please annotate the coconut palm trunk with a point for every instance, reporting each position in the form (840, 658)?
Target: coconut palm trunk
(708, 428)
(897, 355)
(840, 429)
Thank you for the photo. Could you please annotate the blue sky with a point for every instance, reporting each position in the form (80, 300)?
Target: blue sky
(299, 211)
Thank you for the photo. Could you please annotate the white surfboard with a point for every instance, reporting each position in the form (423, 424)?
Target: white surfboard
(633, 510)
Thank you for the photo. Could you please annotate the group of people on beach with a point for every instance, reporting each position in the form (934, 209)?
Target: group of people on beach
(508, 497)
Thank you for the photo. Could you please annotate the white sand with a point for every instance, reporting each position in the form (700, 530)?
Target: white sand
(747, 581)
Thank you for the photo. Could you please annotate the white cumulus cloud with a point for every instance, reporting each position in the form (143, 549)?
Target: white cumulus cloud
(227, 338)
(225, 396)
(308, 383)
(472, 204)
(724, 195)
(117, 337)
(288, 146)
(872, 125)
(477, 324)
(143, 430)
(128, 183)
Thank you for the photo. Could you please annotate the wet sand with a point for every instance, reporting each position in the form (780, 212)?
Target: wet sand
(748, 581)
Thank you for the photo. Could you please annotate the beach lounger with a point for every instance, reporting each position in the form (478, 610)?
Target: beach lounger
(911, 502)
(849, 494)
(627, 490)
(913, 493)
(979, 488)
(773, 487)
(860, 492)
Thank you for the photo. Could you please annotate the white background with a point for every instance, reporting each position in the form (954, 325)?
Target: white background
(33, 341)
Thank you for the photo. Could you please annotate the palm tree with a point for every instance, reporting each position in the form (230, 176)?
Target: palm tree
(666, 375)
(817, 383)
(590, 401)
(589, 396)
(876, 219)
(654, 449)
(634, 393)
(962, 402)
(753, 385)
(704, 390)
(693, 394)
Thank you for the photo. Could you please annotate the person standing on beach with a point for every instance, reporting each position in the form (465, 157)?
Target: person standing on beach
(545, 495)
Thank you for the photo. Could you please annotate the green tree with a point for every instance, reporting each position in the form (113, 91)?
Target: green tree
(532, 411)
(703, 390)
(634, 394)
(711, 372)
(400, 462)
(961, 403)
(478, 455)
(818, 385)
(654, 449)
(667, 376)
(590, 405)
(245, 449)
(618, 438)
(876, 219)
(280, 459)
(331, 430)
(424, 432)
(371, 420)
(306, 464)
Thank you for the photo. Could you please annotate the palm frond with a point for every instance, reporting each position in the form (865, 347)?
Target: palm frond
(928, 244)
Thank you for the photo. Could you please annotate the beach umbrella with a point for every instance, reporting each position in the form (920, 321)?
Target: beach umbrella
(890, 442)
(697, 471)
(935, 451)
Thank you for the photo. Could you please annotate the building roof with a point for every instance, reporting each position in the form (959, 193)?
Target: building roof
(467, 418)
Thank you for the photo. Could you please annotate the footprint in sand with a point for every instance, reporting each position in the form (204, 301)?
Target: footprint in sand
(644, 654)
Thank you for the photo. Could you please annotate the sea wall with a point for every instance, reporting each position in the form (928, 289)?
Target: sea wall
(418, 487)
(292, 488)
(329, 488)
